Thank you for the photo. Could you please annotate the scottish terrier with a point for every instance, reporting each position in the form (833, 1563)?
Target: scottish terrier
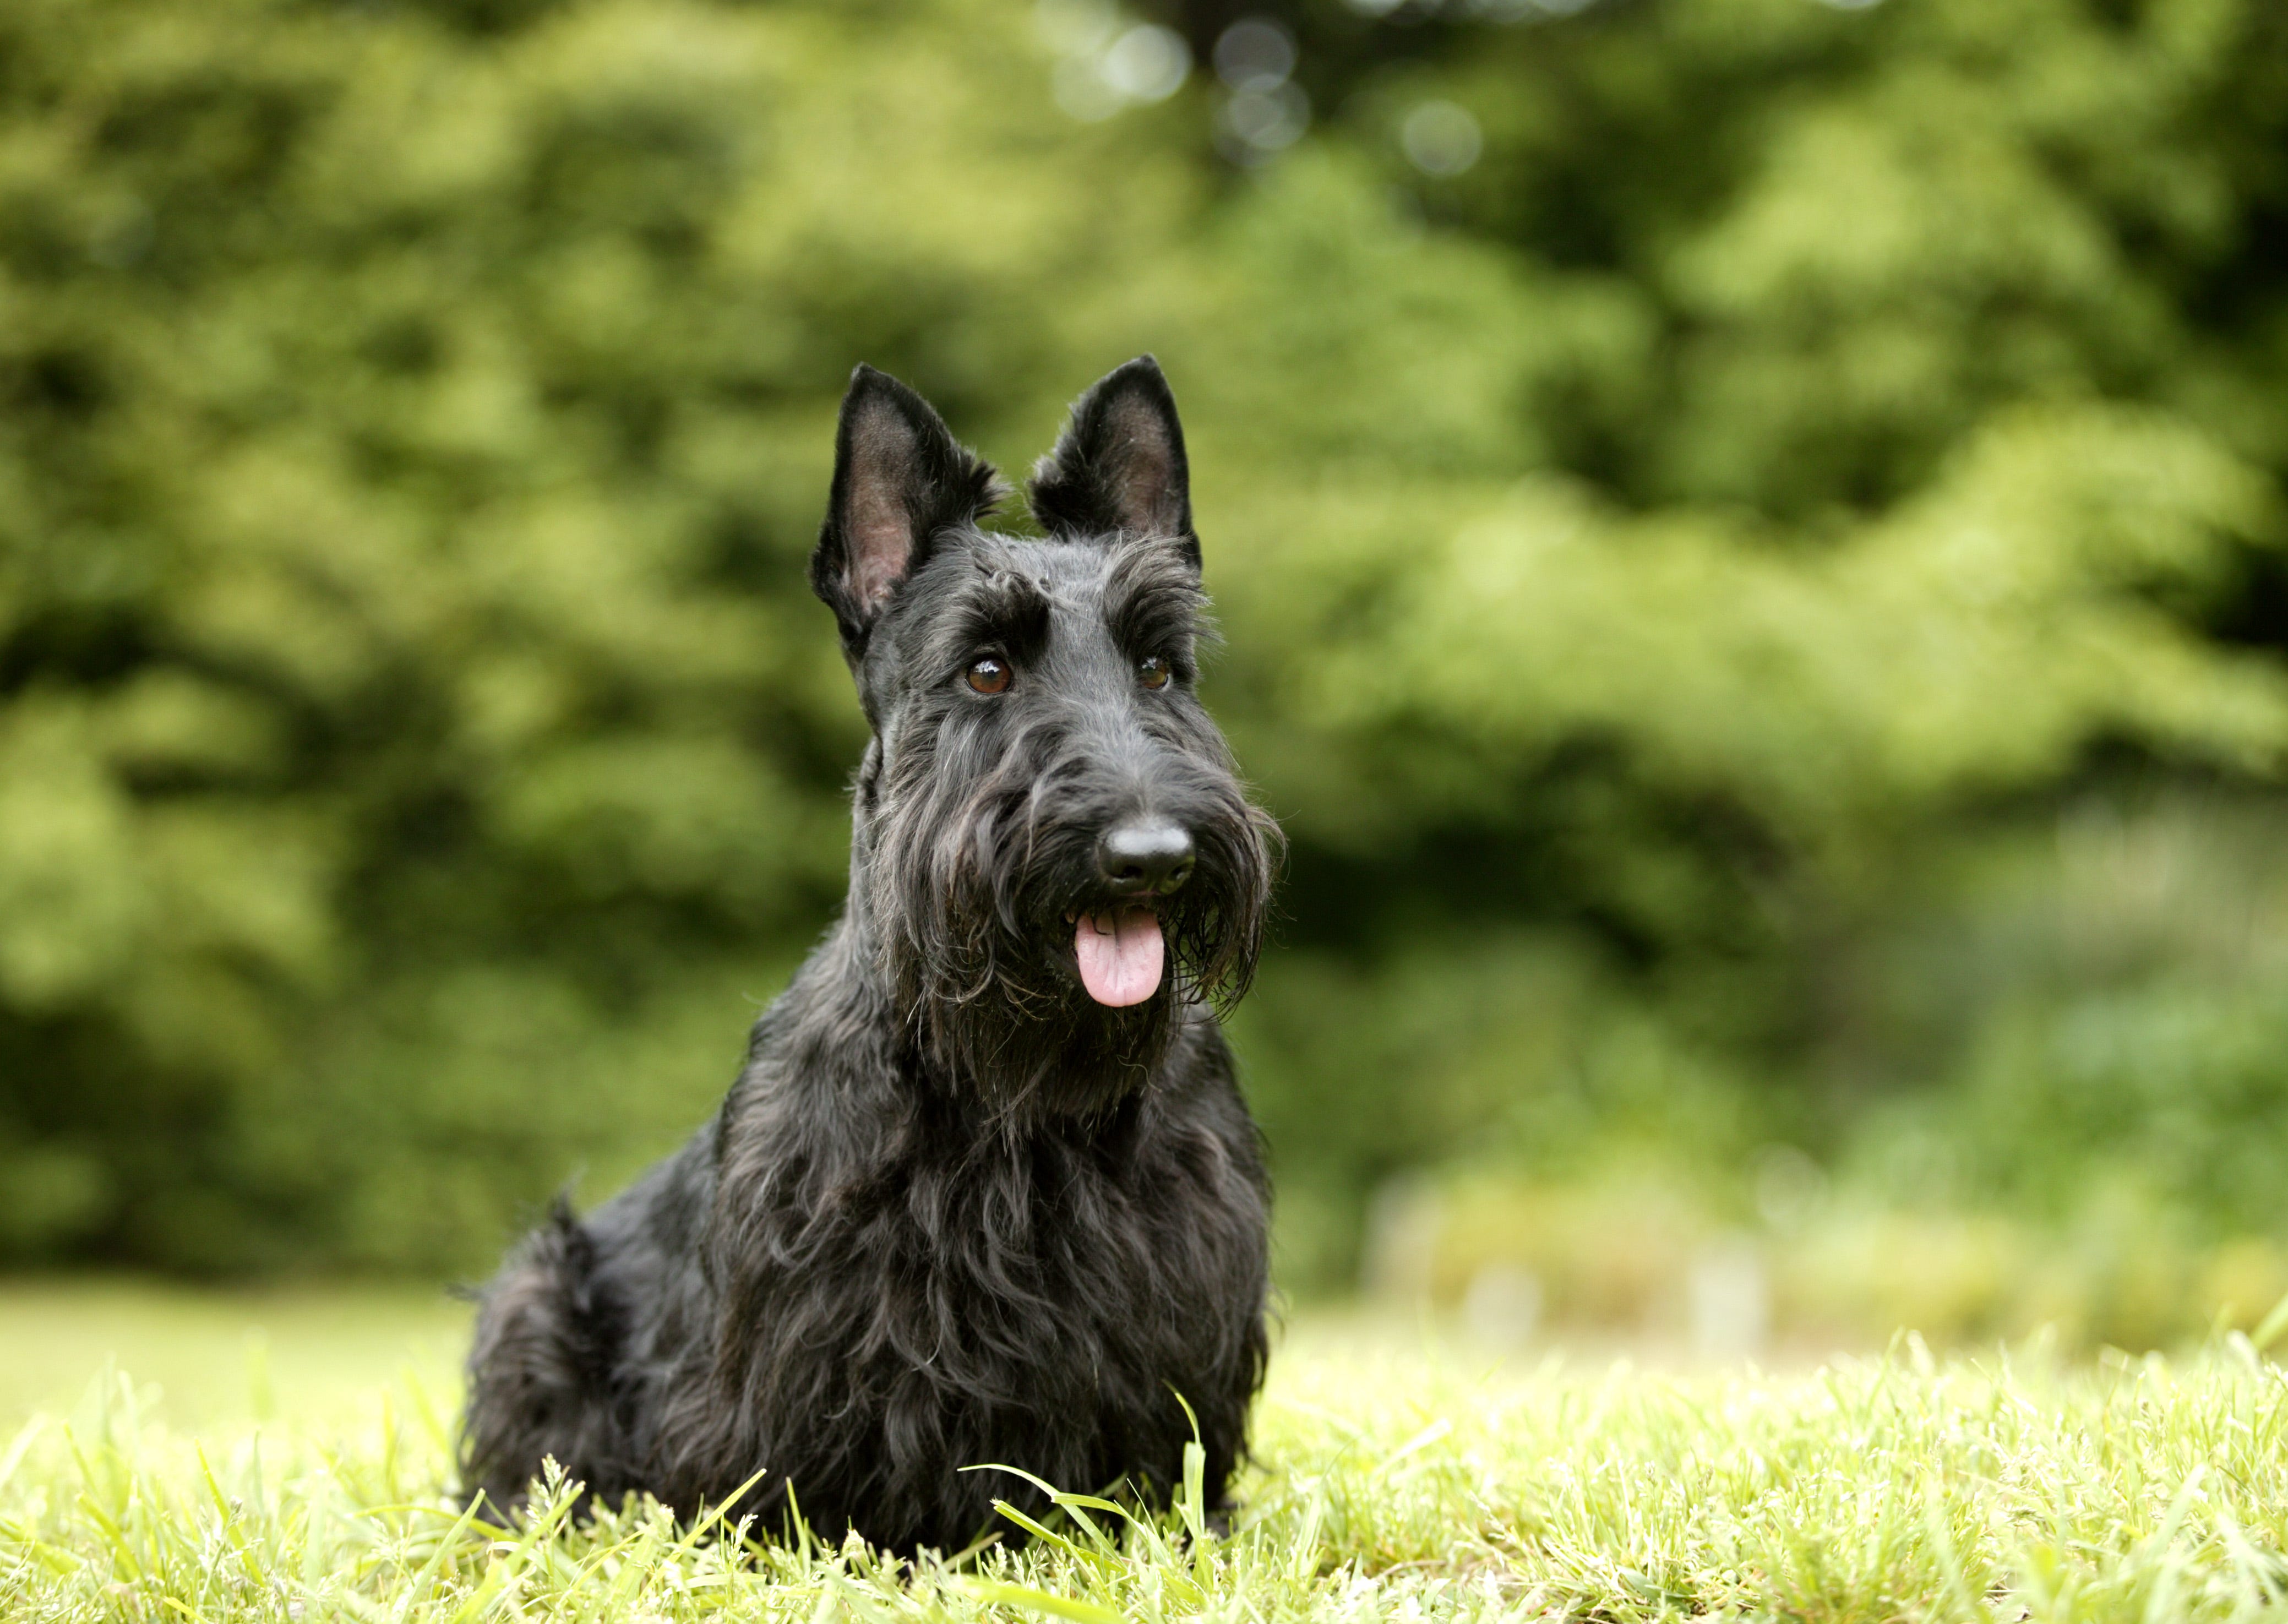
(985, 1191)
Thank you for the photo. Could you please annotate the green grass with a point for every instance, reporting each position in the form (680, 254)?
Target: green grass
(203, 1358)
(1397, 1485)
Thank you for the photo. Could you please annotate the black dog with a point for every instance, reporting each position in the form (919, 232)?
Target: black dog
(985, 1190)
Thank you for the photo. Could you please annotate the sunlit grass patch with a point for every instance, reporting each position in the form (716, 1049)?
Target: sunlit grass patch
(2001, 1487)
(221, 1356)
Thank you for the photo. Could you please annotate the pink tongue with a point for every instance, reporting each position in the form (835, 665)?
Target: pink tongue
(1119, 955)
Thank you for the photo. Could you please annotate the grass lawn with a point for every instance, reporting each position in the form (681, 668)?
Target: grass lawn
(203, 1358)
(1391, 1484)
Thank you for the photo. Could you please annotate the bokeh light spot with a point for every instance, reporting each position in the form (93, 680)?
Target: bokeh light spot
(1441, 138)
(1105, 67)
(1255, 54)
(1148, 63)
(1255, 124)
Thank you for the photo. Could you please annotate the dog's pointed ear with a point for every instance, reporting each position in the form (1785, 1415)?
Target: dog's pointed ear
(901, 480)
(1119, 466)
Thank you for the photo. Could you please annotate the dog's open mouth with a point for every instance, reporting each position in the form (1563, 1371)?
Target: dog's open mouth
(1120, 953)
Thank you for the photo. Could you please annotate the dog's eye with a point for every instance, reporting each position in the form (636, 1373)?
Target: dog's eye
(990, 675)
(1152, 671)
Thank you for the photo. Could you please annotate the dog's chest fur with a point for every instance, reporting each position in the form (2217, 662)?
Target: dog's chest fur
(859, 1291)
(1039, 1295)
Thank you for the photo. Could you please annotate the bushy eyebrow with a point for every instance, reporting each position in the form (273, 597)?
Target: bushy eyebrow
(1153, 603)
(996, 607)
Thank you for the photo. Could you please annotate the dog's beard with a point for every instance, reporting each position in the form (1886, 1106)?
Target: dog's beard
(978, 910)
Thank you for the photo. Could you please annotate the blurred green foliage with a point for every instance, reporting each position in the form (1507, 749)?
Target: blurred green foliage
(1694, 578)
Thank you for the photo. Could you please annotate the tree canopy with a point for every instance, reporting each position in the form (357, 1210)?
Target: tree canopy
(1705, 497)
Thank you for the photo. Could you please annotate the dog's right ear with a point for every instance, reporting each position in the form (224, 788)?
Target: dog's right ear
(901, 480)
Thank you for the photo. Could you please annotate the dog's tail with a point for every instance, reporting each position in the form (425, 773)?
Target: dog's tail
(545, 1370)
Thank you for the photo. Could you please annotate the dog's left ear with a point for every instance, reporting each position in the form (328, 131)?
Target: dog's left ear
(900, 480)
(1119, 466)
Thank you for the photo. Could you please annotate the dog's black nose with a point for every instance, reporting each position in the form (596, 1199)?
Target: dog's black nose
(1145, 858)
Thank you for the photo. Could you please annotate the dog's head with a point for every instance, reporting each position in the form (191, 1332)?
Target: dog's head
(1052, 844)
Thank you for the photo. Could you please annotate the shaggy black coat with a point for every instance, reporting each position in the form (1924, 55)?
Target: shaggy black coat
(954, 1211)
